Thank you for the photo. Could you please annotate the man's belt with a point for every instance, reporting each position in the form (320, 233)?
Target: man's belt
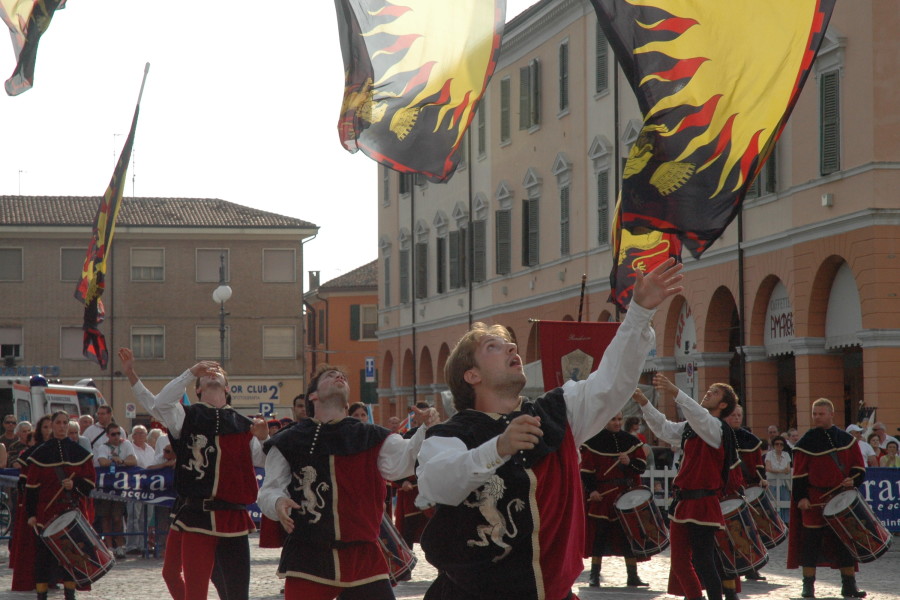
(211, 504)
(694, 494)
(615, 482)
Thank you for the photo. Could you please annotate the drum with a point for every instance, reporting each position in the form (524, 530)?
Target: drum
(769, 524)
(643, 524)
(399, 557)
(77, 547)
(739, 544)
(852, 520)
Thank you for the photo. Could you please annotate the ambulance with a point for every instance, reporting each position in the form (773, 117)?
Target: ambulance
(33, 397)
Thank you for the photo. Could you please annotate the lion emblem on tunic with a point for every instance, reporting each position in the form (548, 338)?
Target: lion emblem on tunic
(200, 452)
(487, 498)
(312, 500)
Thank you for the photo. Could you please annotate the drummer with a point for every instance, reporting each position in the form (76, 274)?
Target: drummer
(325, 484)
(752, 468)
(611, 463)
(826, 463)
(60, 478)
(696, 514)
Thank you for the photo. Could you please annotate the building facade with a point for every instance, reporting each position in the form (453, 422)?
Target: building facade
(164, 264)
(341, 325)
(797, 300)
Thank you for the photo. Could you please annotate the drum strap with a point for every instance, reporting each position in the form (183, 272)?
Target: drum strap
(61, 474)
(837, 461)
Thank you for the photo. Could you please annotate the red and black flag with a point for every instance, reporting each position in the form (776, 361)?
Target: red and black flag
(27, 22)
(716, 82)
(415, 71)
(93, 273)
(636, 252)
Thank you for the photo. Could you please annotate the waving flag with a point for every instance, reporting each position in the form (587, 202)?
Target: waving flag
(27, 21)
(636, 252)
(415, 71)
(93, 273)
(716, 82)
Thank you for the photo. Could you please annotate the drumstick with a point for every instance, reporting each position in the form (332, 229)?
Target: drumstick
(833, 490)
(60, 489)
(606, 492)
(606, 472)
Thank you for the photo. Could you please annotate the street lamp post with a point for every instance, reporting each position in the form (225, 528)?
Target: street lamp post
(220, 296)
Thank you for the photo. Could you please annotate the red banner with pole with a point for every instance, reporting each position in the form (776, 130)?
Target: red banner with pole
(571, 350)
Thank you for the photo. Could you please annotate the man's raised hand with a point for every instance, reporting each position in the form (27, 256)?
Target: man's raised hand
(652, 289)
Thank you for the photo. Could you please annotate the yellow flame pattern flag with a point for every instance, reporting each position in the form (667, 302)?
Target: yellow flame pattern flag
(716, 82)
(415, 72)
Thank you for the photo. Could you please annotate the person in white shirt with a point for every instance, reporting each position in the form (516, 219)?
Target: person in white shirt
(145, 454)
(501, 445)
(868, 452)
(74, 434)
(118, 452)
(880, 429)
(96, 433)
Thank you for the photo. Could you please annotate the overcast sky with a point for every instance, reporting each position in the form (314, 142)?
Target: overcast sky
(241, 104)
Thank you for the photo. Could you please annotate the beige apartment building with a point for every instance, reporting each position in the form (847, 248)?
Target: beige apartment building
(796, 301)
(163, 268)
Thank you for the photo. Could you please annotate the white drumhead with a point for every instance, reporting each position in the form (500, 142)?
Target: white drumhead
(60, 523)
(634, 498)
(752, 493)
(730, 505)
(840, 502)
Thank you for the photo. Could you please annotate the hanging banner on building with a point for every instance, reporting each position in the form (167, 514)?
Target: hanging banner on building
(572, 350)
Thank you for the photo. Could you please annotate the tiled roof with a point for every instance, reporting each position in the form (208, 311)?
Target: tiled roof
(364, 276)
(140, 212)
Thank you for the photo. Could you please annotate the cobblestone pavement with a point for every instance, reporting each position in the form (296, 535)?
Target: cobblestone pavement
(140, 579)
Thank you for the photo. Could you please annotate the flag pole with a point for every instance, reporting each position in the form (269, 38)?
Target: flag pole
(581, 300)
(143, 81)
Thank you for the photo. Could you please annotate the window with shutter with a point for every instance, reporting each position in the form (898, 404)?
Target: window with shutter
(463, 258)
(505, 122)
(564, 220)
(454, 260)
(530, 232)
(404, 276)
(422, 270)
(601, 76)
(278, 342)
(387, 280)
(482, 130)
(563, 76)
(603, 208)
(354, 322)
(479, 248)
(829, 123)
(504, 242)
(385, 186)
(535, 101)
(440, 271)
(524, 97)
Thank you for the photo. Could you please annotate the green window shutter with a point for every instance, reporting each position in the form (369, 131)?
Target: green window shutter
(421, 270)
(564, 220)
(829, 123)
(603, 207)
(482, 129)
(440, 271)
(404, 276)
(503, 242)
(505, 121)
(368, 392)
(601, 76)
(454, 260)
(535, 116)
(524, 97)
(563, 76)
(354, 321)
(479, 243)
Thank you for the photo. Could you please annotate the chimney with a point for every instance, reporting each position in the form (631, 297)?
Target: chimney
(313, 280)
